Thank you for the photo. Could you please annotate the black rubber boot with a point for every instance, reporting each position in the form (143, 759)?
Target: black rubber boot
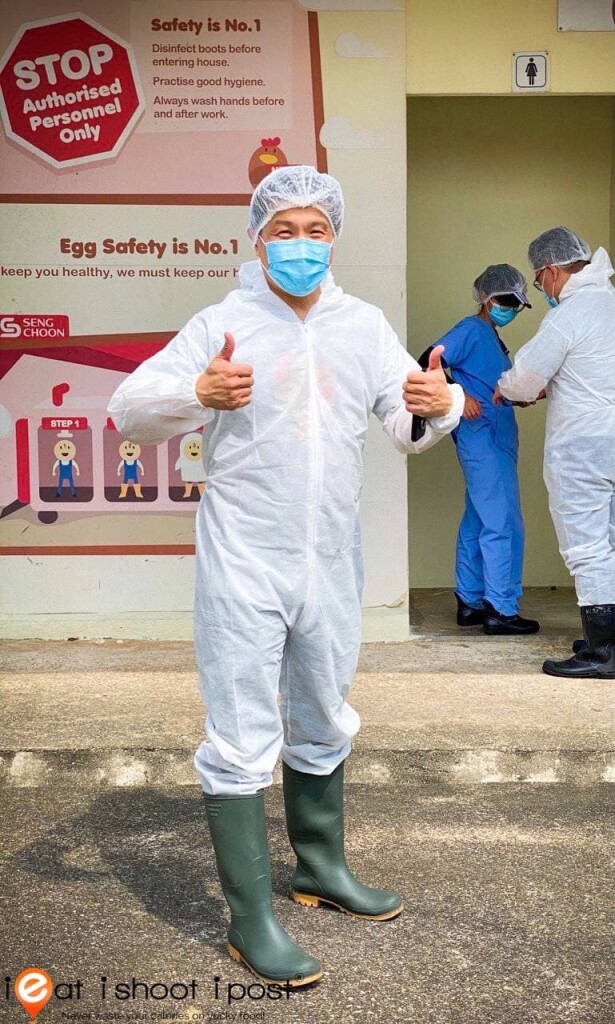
(468, 616)
(597, 659)
(497, 624)
(239, 836)
(580, 645)
(315, 822)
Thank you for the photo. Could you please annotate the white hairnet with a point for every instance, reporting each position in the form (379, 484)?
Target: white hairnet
(557, 246)
(500, 279)
(192, 436)
(300, 186)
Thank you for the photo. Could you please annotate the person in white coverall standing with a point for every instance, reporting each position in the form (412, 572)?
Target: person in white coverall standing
(283, 375)
(573, 357)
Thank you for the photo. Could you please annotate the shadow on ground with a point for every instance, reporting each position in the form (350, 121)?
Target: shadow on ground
(508, 892)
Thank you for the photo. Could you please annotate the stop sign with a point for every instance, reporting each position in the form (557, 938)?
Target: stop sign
(69, 90)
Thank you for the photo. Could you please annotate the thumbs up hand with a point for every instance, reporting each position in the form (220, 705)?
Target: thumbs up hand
(226, 352)
(428, 394)
(435, 359)
(224, 384)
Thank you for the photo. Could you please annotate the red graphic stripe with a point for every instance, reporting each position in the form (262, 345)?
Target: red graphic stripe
(22, 458)
(104, 549)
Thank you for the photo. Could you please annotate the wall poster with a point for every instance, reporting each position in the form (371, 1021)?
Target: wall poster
(132, 135)
(132, 142)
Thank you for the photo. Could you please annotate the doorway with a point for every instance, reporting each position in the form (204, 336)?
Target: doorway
(487, 174)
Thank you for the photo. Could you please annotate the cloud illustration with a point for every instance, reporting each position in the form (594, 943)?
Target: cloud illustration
(338, 133)
(349, 45)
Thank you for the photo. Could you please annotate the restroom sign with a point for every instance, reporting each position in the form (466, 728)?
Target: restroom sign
(530, 71)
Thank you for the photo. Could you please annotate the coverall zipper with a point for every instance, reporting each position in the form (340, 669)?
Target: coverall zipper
(315, 461)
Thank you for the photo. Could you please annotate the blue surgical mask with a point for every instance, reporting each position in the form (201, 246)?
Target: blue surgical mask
(502, 315)
(298, 265)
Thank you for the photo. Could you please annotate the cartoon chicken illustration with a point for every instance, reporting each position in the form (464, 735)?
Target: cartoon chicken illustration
(265, 159)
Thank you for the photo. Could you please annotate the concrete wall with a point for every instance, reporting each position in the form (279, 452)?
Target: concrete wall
(485, 175)
(466, 48)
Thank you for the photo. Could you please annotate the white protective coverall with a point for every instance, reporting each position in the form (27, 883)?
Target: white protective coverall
(279, 568)
(573, 356)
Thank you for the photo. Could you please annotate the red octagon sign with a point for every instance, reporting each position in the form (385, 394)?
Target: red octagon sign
(69, 90)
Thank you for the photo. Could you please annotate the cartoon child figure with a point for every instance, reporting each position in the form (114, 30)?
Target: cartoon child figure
(190, 463)
(130, 466)
(65, 451)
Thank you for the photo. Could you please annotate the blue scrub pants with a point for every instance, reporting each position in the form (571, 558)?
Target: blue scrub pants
(489, 557)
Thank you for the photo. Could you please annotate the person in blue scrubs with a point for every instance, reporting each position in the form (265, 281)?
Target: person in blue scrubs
(489, 554)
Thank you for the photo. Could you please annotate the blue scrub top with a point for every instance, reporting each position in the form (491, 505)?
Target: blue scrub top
(476, 358)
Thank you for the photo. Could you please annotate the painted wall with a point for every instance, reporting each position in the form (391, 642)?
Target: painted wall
(359, 53)
(453, 48)
(485, 176)
(465, 48)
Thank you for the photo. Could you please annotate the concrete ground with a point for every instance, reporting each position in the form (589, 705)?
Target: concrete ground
(451, 705)
(432, 613)
(477, 788)
(508, 892)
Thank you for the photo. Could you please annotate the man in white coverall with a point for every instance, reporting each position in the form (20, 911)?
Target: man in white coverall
(573, 357)
(283, 375)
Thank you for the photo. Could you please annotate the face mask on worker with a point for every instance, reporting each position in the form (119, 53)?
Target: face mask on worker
(298, 265)
(501, 315)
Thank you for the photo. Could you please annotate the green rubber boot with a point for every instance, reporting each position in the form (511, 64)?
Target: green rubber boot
(239, 836)
(315, 823)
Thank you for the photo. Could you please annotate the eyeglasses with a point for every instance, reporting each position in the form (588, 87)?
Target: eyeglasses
(508, 302)
(535, 283)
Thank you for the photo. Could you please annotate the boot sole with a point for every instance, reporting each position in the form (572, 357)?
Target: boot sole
(496, 631)
(292, 982)
(306, 900)
(578, 675)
